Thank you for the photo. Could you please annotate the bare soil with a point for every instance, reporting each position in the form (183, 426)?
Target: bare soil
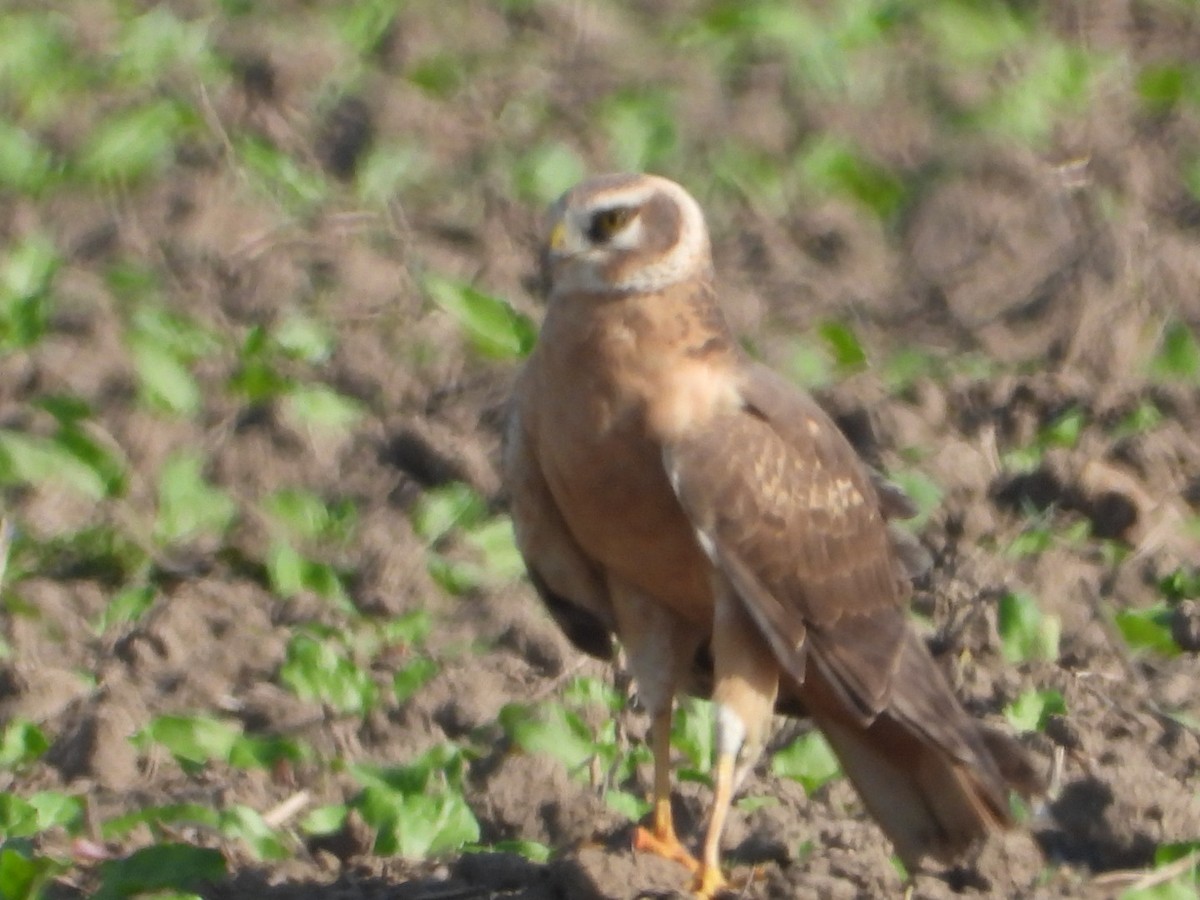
(1058, 267)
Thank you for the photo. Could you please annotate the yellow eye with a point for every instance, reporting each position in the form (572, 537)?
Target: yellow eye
(608, 222)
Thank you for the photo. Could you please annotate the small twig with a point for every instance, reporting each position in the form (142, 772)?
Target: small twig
(1140, 880)
(277, 815)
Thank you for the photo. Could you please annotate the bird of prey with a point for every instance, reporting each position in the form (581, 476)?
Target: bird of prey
(670, 493)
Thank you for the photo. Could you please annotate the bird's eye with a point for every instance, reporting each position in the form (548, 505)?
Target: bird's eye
(608, 222)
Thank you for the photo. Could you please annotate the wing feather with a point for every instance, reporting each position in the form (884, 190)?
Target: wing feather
(792, 517)
(570, 585)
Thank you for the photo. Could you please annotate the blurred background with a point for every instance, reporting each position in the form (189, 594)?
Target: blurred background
(266, 273)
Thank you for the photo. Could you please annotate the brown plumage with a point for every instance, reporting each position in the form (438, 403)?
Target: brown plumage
(671, 493)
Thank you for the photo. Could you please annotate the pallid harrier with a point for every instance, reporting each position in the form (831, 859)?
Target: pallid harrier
(669, 491)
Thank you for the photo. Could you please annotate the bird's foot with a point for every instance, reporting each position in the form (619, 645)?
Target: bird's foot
(666, 845)
(708, 883)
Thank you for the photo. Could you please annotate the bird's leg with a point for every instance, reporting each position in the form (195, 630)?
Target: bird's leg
(659, 647)
(730, 735)
(745, 686)
(660, 838)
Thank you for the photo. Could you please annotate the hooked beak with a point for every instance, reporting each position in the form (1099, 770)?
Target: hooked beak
(558, 237)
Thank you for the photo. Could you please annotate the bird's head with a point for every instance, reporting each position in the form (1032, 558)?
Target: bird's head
(624, 234)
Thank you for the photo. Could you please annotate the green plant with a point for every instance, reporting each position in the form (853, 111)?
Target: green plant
(1026, 633)
(319, 667)
(21, 742)
(493, 327)
(27, 272)
(1032, 709)
(24, 873)
(808, 760)
(455, 509)
(165, 866)
(417, 810)
(1178, 355)
(1147, 629)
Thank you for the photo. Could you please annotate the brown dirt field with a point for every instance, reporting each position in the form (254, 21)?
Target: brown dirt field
(1054, 271)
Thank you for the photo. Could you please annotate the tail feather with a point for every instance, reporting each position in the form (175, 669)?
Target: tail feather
(934, 779)
(928, 804)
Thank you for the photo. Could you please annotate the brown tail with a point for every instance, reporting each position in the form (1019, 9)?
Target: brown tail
(935, 780)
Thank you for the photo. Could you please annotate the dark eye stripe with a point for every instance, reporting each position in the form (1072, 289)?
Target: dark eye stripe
(607, 222)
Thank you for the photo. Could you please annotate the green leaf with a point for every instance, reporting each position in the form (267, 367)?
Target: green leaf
(546, 172)
(133, 143)
(107, 466)
(159, 867)
(1178, 356)
(586, 691)
(1032, 709)
(549, 729)
(32, 460)
(291, 573)
(1148, 629)
(1146, 416)
(415, 813)
(808, 760)
(640, 129)
(754, 803)
(365, 24)
(22, 876)
(438, 75)
(692, 733)
(497, 544)
(21, 743)
(194, 739)
(306, 339)
(171, 815)
(18, 817)
(1065, 430)
(1025, 632)
(833, 167)
(127, 606)
(315, 670)
(428, 826)
(411, 628)
(810, 365)
(56, 810)
(1182, 584)
(257, 378)
(629, 805)
(493, 327)
(244, 824)
(531, 850)
(320, 407)
(848, 353)
(1165, 854)
(324, 819)
(251, 751)
(442, 509)
(974, 35)
(923, 491)
(454, 576)
(1163, 86)
(26, 275)
(164, 380)
(306, 516)
(293, 186)
(410, 679)
(188, 506)
(25, 165)
(388, 170)
(157, 42)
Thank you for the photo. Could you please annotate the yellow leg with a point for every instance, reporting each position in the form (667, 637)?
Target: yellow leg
(709, 881)
(661, 839)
